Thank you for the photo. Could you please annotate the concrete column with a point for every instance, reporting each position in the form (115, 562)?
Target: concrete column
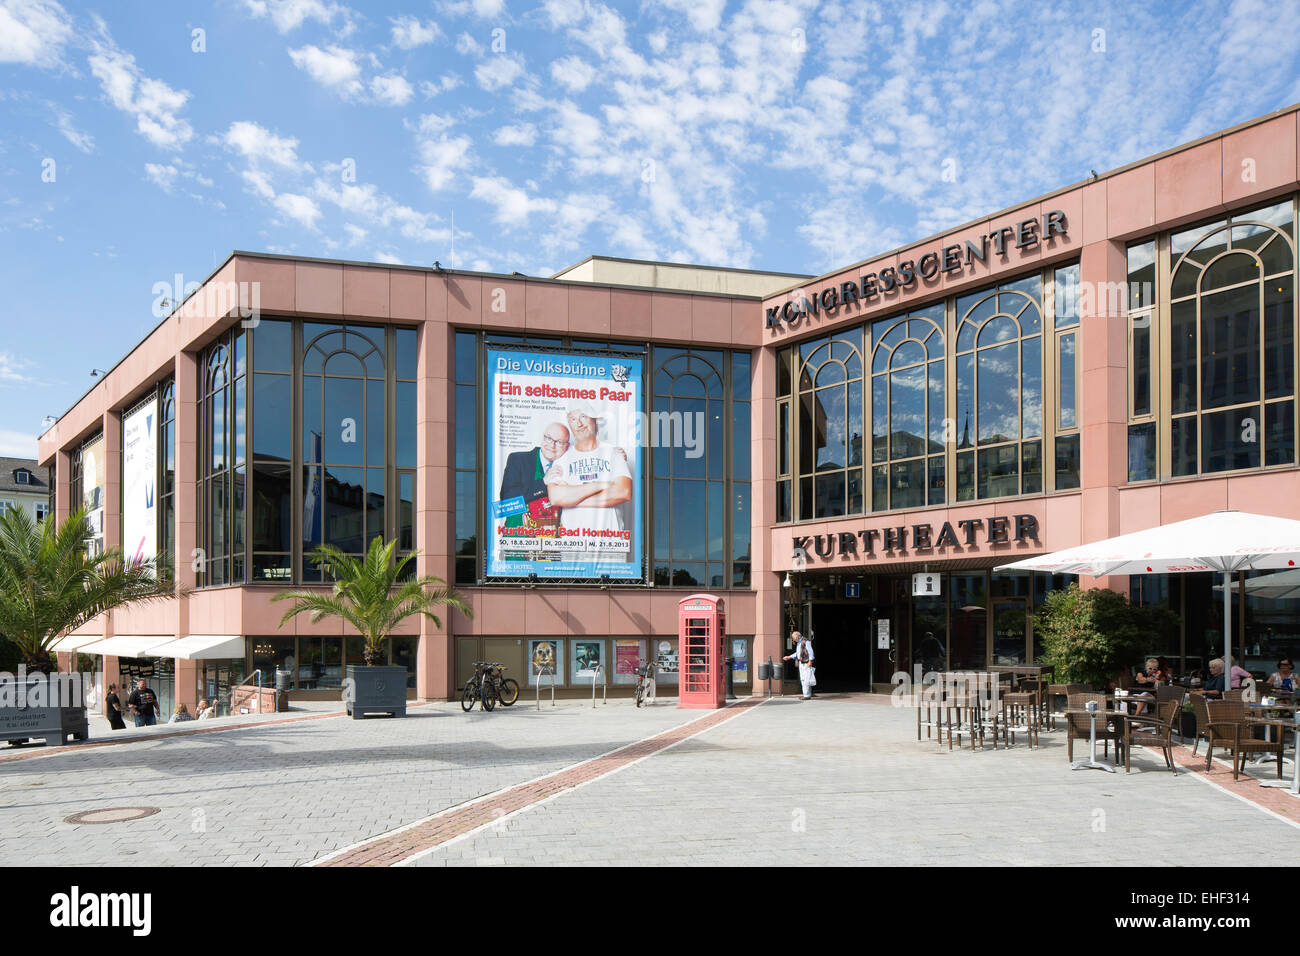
(1104, 415)
(62, 486)
(763, 463)
(112, 480)
(435, 494)
(186, 531)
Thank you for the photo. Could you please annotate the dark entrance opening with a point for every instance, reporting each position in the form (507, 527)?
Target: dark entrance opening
(842, 643)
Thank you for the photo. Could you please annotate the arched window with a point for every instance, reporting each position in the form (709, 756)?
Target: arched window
(830, 427)
(343, 439)
(999, 424)
(222, 468)
(1232, 343)
(690, 501)
(907, 409)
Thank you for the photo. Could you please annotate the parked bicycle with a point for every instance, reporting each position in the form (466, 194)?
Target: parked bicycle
(507, 690)
(480, 688)
(645, 672)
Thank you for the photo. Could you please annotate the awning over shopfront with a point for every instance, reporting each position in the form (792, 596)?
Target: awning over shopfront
(129, 645)
(74, 642)
(202, 647)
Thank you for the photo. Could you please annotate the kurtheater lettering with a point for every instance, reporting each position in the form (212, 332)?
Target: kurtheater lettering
(997, 530)
(950, 259)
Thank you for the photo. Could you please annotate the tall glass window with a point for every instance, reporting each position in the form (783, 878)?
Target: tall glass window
(999, 419)
(466, 428)
(1141, 306)
(167, 472)
(272, 442)
(344, 417)
(830, 426)
(1232, 343)
(907, 411)
(1065, 306)
(690, 499)
(784, 437)
(222, 467)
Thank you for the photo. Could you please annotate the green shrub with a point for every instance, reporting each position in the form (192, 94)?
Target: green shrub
(1090, 636)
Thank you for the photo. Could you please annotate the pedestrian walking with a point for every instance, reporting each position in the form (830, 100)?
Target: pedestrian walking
(144, 704)
(803, 656)
(114, 708)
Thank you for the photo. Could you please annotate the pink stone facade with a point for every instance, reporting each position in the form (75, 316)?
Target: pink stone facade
(1225, 172)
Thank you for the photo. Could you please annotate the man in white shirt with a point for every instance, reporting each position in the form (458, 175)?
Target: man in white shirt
(588, 483)
(803, 656)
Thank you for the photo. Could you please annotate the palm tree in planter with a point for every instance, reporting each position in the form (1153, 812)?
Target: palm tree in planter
(51, 584)
(370, 594)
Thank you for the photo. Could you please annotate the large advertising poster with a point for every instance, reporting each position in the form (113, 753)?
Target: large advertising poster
(92, 491)
(139, 475)
(564, 466)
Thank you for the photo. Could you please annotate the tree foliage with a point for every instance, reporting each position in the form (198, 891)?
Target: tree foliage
(50, 584)
(370, 595)
(1090, 636)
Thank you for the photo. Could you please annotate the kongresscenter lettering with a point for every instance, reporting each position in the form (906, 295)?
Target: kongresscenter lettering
(952, 258)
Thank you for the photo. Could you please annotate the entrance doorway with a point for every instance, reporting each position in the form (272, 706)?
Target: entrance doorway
(1011, 631)
(842, 643)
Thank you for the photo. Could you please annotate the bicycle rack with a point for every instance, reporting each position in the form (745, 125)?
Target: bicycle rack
(538, 685)
(604, 688)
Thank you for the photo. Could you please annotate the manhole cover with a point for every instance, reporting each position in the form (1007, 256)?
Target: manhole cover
(112, 815)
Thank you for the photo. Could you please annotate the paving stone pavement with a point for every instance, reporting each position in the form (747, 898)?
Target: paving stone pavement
(285, 794)
(838, 780)
(844, 781)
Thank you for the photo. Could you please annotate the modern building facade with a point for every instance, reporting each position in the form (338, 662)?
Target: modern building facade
(1115, 355)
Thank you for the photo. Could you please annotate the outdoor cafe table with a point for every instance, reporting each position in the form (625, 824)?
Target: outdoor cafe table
(1282, 724)
(1101, 715)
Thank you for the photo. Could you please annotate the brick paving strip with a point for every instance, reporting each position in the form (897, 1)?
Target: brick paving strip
(48, 750)
(460, 821)
(1276, 802)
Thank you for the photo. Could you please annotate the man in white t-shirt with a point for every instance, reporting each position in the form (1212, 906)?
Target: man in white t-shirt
(589, 481)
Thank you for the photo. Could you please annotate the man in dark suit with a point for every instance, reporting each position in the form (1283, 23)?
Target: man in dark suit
(525, 474)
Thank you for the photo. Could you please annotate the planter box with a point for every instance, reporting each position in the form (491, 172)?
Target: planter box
(1187, 725)
(376, 690)
(50, 722)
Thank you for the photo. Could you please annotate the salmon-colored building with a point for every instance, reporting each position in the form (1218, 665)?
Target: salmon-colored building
(1115, 355)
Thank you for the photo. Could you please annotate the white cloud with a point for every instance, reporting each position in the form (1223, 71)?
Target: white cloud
(704, 15)
(467, 45)
(525, 134)
(573, 73)
(301, 209)
(335, 67)
(15, 444)
(11, 369)
(63, 122)
(288, 15)
(444, 84)
(498, 70)
(392, 89)
(163, 176)
(442, 157)
(153, 103)
(409, 32)
(513, 206)
(256, 143)
(483, 9)
(382, 212)
(33, 32)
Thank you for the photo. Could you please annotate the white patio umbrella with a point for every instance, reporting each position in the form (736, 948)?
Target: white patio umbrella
(1225, 541)
(1278, 586)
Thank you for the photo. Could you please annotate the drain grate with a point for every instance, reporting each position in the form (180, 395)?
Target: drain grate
(112, 815)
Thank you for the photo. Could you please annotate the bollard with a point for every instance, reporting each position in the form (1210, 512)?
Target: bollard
(603, 692)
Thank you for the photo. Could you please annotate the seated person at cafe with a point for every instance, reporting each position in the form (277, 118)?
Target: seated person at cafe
(1284, 677)
(1240, 674)
(1214, 683)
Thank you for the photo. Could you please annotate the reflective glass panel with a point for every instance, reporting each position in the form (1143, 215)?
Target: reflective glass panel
(272, 417)
(1230, 347)
(1279, 433)
(999, 394)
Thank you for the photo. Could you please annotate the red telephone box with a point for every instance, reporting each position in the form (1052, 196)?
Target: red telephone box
(701, 636)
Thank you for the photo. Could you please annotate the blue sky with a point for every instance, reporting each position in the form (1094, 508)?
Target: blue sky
(787, 135)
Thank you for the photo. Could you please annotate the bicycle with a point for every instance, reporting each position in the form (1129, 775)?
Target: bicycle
(644, 678)
(479, 688)
(507, 689)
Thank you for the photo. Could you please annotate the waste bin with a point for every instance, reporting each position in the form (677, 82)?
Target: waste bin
(282, 679)
(778, 671)
(764, 670)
